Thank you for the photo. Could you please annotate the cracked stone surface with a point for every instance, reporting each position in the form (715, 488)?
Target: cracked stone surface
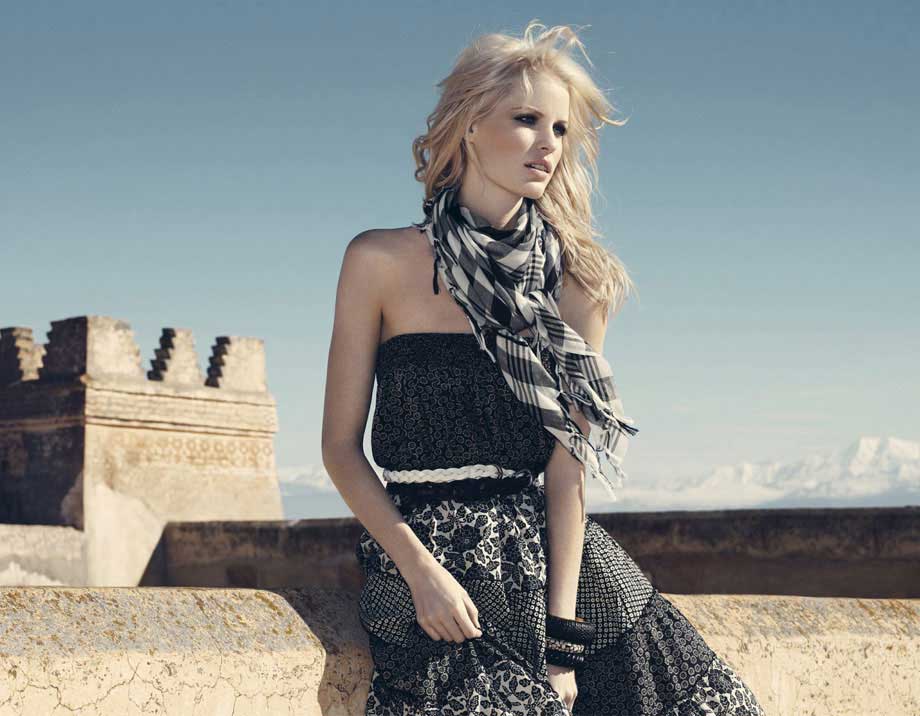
(239, 652)
(816, 656)
(131, 651)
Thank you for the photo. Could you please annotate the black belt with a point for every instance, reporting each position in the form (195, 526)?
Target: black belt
(469, 488)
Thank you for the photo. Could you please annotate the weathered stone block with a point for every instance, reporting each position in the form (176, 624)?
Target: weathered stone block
(88, 439)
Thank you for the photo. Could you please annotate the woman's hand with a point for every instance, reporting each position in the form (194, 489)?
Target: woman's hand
(562, 679)
(443, 607)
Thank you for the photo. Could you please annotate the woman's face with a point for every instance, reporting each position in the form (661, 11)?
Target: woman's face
(520, 130)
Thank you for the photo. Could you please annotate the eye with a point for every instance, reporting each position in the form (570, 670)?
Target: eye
(561, 128)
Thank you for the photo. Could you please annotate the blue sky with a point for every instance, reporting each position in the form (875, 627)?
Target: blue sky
(203, 165)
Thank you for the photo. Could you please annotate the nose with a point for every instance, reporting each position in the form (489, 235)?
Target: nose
(548, 139)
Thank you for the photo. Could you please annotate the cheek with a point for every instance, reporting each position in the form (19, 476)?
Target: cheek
(517, 141)
(508, 146)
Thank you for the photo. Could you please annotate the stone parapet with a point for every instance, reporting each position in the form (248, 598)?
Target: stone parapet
(822, 656)
(302, 651)
(123, 652)
(871, 552)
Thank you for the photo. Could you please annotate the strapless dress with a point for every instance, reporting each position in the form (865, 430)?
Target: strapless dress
(441, 402)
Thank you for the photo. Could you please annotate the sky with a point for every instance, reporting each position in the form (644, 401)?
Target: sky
(204, 165)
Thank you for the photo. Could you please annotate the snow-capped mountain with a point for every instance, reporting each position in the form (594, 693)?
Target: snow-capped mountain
(872, 471)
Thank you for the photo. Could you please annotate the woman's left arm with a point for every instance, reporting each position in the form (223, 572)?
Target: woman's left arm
(564, 479)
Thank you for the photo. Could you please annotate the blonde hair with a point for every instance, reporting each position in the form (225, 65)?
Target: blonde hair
(490, 67)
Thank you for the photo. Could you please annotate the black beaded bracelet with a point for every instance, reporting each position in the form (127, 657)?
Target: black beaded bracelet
(563, 658)
(576, 630)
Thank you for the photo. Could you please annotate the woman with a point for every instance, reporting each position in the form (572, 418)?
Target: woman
(488, 589)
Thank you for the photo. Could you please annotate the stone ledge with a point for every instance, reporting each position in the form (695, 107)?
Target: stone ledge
(204, 651)
(822, 656)
(867, 553)
(177, 651)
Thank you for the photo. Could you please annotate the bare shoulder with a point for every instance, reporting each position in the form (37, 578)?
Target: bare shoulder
(574, 301)
(386, 247)
(385, 238)
(374, 254)
(585, 315)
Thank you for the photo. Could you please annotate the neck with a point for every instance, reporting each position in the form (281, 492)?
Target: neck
(497, 206)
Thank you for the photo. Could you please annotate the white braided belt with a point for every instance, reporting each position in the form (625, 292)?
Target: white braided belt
(446, 474)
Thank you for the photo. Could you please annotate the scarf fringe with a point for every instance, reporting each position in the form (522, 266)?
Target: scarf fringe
(605, 417)
(602, 462)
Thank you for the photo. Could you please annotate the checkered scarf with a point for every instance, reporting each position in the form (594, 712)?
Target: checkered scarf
(507, 281)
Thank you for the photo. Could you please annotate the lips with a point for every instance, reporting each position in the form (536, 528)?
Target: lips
(539, 165)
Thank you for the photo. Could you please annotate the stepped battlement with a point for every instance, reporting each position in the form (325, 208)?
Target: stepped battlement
(102, 348)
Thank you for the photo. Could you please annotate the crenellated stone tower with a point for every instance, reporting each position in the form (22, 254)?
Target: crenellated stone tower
(88, 439)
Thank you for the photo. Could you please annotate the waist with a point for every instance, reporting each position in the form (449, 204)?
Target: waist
(462, 483)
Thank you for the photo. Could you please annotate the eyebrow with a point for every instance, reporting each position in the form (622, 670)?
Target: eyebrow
(534, 109)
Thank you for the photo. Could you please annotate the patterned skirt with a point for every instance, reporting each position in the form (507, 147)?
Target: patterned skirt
(490, 534)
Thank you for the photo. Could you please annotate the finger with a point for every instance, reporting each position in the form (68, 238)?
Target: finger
(458, 620)
(450, 630)
(431, 628)
(472, 610)
(470, 630)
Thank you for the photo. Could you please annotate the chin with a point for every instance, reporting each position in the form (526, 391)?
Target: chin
(534, 191)
(528, 189)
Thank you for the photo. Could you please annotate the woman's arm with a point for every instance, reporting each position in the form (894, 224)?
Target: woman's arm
(369, 273)
(364, 281)
(564, 480)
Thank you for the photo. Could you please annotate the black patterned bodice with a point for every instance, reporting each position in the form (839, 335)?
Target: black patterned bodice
(442, 402)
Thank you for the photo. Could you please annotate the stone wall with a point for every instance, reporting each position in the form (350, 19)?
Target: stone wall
(849, 552)
(123, 652)
(90, 439)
